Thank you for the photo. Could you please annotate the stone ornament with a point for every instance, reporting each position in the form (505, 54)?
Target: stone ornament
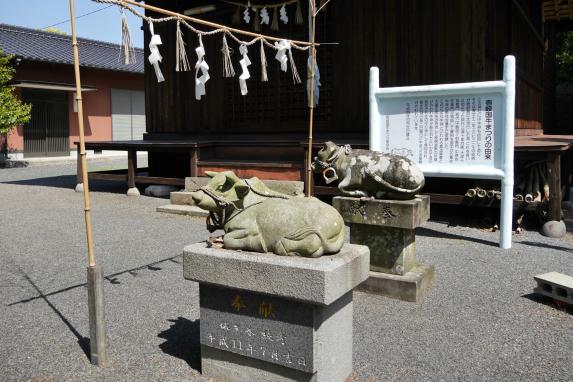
(257, 219)
(366, 173)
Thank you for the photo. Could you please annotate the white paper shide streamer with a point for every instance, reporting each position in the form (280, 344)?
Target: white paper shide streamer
(245, 62)
(283, 14)
(247, 14)
(316, 81)
(284, 55)
(265, 18)
(155, 57)
(281, 55)
(201, 66)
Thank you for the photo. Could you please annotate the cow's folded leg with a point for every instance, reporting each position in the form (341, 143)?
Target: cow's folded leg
(310, 246)
(245, 239)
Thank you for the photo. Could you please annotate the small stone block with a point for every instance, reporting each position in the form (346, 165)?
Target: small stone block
(387, 213)
(555, 285)
(181, 198)
(180, 209)
(409, 287)
(133, 192)
(319, 281)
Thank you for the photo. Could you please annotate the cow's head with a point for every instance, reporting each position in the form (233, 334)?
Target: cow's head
(324, 161)
(327, 154)
(223, 190)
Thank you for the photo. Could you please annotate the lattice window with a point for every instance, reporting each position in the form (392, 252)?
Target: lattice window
(279, 104)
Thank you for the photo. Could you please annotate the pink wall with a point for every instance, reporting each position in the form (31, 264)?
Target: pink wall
(97, 104)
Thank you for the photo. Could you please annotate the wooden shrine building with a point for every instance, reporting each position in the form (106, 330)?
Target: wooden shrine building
(413, 42)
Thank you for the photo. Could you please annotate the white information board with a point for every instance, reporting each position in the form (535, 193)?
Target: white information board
(453, 130)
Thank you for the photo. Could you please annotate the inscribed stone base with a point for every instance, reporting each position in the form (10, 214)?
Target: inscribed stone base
(307, 343)
(392, 250)
(407, 214)
(272, 318)
(410, 287)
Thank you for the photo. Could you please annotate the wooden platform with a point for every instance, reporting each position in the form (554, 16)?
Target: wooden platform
(203, 157)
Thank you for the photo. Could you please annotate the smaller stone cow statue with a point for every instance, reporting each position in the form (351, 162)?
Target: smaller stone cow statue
(366, 173)
(258, 219)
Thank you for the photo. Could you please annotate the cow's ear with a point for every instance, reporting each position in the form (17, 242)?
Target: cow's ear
(242, 190)
(211, 174)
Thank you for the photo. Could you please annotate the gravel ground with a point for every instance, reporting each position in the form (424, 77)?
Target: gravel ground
(479, 320)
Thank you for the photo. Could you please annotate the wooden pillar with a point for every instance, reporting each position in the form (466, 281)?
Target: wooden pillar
(132, 172)
(549, 79)
(554, 180)
(193, 163)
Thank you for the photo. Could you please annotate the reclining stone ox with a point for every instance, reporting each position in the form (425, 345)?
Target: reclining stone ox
(258, 219)
(365, 173)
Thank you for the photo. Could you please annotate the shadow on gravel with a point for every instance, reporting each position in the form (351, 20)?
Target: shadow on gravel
(444, 235)
(549, 302)
(543, 245)
(83, 342)
(182, 341)
(69, 182)
(112, 278)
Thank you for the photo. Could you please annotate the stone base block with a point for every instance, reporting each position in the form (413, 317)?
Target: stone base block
(409, 287)
(272, 318)
(323, 354)
(392, 250)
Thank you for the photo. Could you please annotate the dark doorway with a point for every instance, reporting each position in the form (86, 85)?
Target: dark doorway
(47, 134)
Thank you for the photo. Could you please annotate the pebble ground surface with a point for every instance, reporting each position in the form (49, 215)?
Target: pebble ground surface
(479, 321)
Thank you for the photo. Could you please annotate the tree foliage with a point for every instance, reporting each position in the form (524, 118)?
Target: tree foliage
(564, 56)
(12, 111)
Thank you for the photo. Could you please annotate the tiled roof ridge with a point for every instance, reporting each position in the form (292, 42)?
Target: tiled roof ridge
(56, 36)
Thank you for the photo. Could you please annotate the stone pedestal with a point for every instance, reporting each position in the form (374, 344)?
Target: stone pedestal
(387, 228)
(270, 318)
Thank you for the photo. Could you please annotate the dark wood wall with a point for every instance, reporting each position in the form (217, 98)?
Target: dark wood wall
(414, 42)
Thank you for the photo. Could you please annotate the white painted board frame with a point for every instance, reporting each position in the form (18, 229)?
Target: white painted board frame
(501, 167)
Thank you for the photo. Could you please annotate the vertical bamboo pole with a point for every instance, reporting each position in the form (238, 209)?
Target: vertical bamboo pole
(312, 17)
(98, 349)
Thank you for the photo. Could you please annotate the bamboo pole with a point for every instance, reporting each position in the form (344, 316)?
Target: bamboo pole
(98, 349)
(312, 15)
(82, 153)
(207, 23)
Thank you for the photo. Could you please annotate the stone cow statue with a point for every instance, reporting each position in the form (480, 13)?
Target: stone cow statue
(258, 219)
(366, 173)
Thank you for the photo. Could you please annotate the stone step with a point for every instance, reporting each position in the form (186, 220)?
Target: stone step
(289, 187)
(556, 286)
(180, 209)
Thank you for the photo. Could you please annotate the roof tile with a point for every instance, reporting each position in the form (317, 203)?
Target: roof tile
(37, 45)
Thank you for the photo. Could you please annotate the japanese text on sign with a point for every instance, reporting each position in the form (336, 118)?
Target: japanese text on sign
(441, 130)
